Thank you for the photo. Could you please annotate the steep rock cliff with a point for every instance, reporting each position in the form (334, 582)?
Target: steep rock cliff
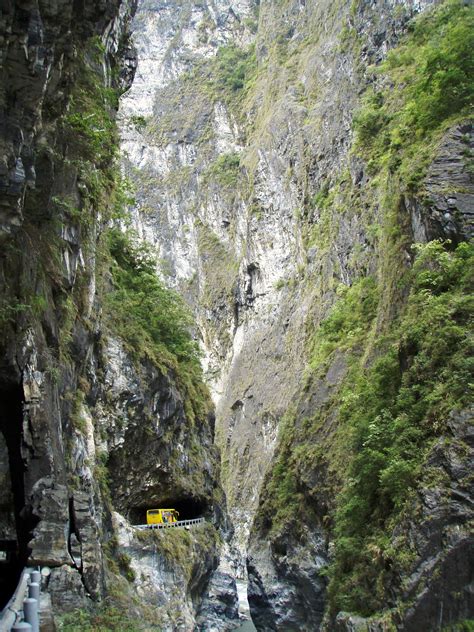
(284, 164)
(94, 420)
(284, 157)
(44, 262)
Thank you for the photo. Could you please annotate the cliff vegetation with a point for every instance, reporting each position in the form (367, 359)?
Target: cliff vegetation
(283, 218)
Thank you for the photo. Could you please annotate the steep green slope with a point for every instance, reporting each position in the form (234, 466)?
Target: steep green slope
(400, 335)
(103, 409)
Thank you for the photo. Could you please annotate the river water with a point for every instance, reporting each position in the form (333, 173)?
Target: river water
(244, 610)
(247, 626)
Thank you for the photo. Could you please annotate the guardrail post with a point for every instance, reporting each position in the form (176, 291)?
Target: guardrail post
(21, 626)
(30, 609)
(36, 577)
(34, 590)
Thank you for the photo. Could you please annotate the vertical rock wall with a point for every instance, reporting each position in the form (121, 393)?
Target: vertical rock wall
(86, 426)
(46, 258)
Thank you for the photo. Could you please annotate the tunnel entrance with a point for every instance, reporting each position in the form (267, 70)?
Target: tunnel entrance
(188, 508)
(14, 525)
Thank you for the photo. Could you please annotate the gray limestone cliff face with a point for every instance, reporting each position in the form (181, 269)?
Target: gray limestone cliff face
(224, 256)
(38, 52)
(232, 172)
(40, 44)
(85, 428)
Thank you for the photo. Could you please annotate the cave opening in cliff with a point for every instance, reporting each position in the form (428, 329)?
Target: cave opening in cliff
(15, 527)
(188, 509)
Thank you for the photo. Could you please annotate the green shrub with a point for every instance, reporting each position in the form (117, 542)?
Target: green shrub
(12, 308)
(233, 68)
(123, 561)
(463, 626)
(348, 321)
(397, 407)
(431, 87)
(140, 122)
(281, 499)
(152, 319)
(370, 120)
(89, 124)
(105, 619)
(225, 170)
(441, 84)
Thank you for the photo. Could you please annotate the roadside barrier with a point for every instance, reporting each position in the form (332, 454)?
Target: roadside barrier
(22, 611)
(168, 525)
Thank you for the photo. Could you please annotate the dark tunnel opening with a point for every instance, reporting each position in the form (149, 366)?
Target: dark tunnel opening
(15, 527)
(188, 508)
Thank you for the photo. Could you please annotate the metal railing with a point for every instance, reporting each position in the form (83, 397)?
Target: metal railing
(24, 604)
(21, 607)
(167, 525)
(12, 611)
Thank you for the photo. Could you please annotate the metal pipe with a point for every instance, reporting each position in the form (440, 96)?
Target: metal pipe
(34, 590)
(36, 577)
(30, 610)
(9, 614)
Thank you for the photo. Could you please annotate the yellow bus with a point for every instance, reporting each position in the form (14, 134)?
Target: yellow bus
(161, 516)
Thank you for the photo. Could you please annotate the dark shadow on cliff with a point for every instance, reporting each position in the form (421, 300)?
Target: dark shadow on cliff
(14, 524)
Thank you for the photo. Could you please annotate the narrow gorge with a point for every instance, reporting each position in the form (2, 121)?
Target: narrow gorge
(236, 280)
